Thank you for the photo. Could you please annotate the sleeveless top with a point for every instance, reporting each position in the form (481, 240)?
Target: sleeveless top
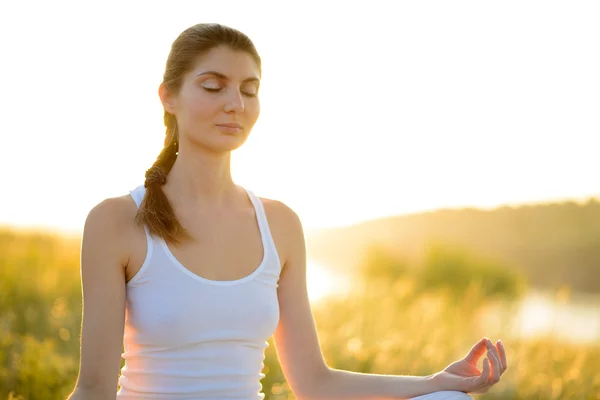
(187, 337)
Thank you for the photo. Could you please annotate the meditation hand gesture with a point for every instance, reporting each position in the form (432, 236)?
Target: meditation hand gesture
(465, 376)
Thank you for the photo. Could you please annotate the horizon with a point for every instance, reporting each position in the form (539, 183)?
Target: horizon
(75, 233)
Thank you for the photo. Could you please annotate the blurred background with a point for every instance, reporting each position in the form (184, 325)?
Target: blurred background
(440, 155)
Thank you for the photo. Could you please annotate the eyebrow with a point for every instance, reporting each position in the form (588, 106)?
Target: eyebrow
(222, 76)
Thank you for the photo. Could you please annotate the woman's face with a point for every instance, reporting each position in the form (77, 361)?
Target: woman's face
(217, 104)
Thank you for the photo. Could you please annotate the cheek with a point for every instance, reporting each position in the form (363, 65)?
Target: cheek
(253, 110)
(198, 105)
(202, 107)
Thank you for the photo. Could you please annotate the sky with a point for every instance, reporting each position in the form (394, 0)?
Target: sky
(368, 109)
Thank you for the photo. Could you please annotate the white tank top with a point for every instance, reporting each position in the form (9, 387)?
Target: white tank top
(187, 337)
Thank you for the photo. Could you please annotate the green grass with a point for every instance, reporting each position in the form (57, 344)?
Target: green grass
(401, 319)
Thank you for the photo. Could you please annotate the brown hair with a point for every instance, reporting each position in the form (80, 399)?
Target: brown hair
(156, 212)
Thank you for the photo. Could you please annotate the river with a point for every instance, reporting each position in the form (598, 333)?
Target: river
(572, 317)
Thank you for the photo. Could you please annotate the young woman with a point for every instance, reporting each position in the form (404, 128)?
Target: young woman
(193, 273)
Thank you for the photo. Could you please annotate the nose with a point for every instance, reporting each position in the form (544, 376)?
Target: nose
(235, 102)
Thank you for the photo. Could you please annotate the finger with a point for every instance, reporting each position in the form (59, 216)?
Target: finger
(495, 373)
(482, 379)
(476, 351)
(492, 349)
(502, 352)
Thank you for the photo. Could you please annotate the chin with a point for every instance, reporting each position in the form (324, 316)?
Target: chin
(220, 144)
(227, 144)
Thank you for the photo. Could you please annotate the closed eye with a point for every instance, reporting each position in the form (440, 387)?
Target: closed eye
(213, 90)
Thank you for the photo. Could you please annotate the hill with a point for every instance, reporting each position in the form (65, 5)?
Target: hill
(553, 244)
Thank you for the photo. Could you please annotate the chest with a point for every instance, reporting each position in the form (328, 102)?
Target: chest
(225, 246)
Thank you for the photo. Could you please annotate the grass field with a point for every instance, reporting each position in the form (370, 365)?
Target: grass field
(400, 320)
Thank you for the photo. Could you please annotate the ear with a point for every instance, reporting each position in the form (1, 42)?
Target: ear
(167, 99)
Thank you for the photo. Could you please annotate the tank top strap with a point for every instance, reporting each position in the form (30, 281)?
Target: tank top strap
(261, 216)
(263, 223)
(138, 194)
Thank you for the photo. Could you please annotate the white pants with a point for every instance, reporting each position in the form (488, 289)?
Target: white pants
(444, 395)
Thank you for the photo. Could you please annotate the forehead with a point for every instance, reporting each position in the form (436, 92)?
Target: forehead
(235, 64)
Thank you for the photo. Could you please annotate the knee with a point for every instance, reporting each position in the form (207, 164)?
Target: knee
(444, 395)
(453, 395)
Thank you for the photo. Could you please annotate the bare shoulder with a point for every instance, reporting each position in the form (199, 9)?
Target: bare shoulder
(281, 214)
(112, 222)
(285, 226)
(118, 208)
(112, 213)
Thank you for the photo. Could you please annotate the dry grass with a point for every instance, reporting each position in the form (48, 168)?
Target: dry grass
(394, 326)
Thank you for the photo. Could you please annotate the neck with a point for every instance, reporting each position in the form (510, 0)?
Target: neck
(201, 179)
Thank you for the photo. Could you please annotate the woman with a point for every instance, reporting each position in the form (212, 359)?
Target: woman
(193, 273)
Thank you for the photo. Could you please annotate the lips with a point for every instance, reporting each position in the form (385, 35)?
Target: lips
(234, 125)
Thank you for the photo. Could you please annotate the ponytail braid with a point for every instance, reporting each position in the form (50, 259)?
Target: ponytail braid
(156, 212)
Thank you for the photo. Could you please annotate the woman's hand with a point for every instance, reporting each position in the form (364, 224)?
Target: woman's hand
(464, 376)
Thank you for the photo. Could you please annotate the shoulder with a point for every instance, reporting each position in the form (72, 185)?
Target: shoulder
(285, 225)
(110, 223)
(111, 213)
(280, 213)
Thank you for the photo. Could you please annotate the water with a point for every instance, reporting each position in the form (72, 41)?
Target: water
(566, 316)
(322, 282)
(574, 318)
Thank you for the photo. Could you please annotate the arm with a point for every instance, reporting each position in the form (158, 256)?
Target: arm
(103, 287)
(297, 343)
